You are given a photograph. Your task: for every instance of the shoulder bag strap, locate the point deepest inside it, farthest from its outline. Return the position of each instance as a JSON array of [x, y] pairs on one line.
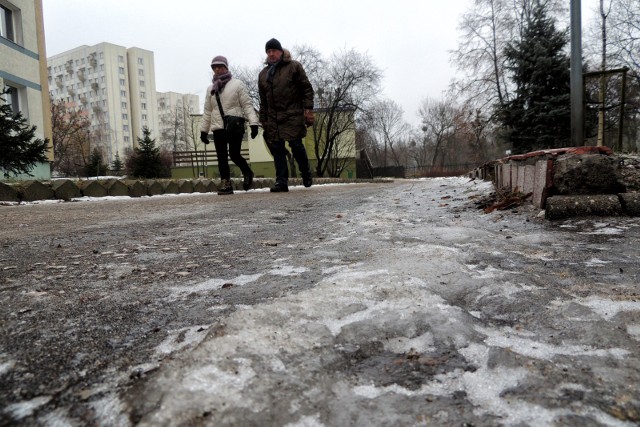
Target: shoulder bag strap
[[219, 105]]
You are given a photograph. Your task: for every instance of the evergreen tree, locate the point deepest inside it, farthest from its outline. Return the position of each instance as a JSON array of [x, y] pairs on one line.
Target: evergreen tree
[[96, 164], [146, 158], [117, 165], [19, 149], [539, 117]]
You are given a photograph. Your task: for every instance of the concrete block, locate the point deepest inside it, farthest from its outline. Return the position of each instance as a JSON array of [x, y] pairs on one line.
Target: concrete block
[[8, 193], [529, 178], [136, 188], [201, 185], [185, 186], [559, 207], [93, 188], [630, 203], [35, 190], [115, 187], [540, 184], [171, 187], [65, 189], [155, 187]]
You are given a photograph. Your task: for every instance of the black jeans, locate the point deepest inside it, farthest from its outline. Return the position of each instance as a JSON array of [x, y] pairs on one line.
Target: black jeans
[[279, 153], [226, 148]]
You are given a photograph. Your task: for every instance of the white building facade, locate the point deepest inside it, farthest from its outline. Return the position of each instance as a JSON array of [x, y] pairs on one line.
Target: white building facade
[[115, 85], [23, 69]]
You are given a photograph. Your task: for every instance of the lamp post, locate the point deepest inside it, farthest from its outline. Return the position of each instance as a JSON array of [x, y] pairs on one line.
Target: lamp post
[[577, 105]]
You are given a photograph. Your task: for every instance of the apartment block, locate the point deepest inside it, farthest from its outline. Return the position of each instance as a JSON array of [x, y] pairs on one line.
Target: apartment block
[[116, 87], [178, 129], [23, 69]]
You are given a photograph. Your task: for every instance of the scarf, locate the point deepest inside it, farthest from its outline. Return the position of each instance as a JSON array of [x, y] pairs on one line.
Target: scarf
[[272, 71], [219, 82]]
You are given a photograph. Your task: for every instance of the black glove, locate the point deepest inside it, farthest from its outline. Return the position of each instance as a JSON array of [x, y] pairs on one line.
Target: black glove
[[204, 137], [254, 131]]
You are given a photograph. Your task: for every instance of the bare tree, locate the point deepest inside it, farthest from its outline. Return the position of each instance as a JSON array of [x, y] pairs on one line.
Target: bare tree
[[439, 126], [249, 76], [71, 136], [486, 29], [390, 129], [344, 86], [175, 128], [623, 39]]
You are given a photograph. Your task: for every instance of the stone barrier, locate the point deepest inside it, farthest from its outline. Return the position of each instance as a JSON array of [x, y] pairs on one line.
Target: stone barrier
[[67, 189]]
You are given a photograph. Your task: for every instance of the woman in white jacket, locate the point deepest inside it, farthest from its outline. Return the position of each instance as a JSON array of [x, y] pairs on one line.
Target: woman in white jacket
[[235, 101]]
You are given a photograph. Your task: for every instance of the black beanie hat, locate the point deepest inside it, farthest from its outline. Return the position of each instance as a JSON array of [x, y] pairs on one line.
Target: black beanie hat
[[273, 44]]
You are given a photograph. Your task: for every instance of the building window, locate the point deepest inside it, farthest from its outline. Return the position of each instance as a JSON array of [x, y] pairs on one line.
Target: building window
[[122, 82], [123, 93], [140, 61], [144, 106], [143, 95], [124, 105], [6, 24], [121, 70], [126, 139], [125, 116], [144, 117], [12, 98], [125, 128], [141, 83], [141, 72], [120, 58]]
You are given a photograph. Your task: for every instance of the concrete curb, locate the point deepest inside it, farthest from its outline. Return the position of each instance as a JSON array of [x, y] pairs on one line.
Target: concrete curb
[[67, 189]]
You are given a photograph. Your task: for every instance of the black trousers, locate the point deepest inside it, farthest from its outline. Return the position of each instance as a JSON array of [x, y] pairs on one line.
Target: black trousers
[[279, 153], [229, 148]]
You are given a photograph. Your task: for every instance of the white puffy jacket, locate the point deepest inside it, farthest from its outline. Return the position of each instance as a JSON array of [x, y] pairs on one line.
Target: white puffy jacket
[[235, 102]]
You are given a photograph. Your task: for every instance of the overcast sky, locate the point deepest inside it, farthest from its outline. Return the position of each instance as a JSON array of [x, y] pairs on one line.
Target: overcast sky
[[408, 40]]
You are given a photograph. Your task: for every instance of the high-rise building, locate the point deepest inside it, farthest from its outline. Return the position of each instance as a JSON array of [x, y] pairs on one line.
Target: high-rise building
[[115, 85], [23, 71], [178, 129]]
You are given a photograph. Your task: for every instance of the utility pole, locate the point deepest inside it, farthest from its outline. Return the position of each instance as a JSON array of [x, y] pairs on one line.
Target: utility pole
[[577, 86]]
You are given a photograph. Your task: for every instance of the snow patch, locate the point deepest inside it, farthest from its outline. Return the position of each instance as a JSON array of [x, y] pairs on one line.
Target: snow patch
[[544, 351], [25, 408], [608, 309], [213, 284]]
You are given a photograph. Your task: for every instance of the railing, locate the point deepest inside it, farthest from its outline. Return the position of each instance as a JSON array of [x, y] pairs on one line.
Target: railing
[[200, 158]]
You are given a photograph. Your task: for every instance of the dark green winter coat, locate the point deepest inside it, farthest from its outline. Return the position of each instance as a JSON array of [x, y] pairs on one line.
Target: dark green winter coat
[[284, 99]]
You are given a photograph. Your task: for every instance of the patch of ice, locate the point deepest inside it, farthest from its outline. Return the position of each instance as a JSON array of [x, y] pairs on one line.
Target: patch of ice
[[422, 343], [6, 366], [110, 411], [214, 284], [608, 309], [544, 351], [604, 231], [307, 421], [634, 331], [233, 381], [489, 272], [595, 262], [181, 338], [287, 270], [25, 408]]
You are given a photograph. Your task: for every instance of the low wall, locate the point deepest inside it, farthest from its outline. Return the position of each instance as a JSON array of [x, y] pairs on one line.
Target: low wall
[[535, 173], [68, 189]]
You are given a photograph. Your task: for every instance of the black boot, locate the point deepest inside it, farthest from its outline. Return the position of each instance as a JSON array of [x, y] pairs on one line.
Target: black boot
[[248, 181], [280, 188], [225, 187]]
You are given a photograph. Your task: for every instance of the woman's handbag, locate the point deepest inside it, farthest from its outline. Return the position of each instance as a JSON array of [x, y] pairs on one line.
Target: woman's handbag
[[234, 125]]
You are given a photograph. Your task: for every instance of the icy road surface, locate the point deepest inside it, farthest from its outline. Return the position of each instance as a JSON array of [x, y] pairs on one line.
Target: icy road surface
[[341, 305]]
